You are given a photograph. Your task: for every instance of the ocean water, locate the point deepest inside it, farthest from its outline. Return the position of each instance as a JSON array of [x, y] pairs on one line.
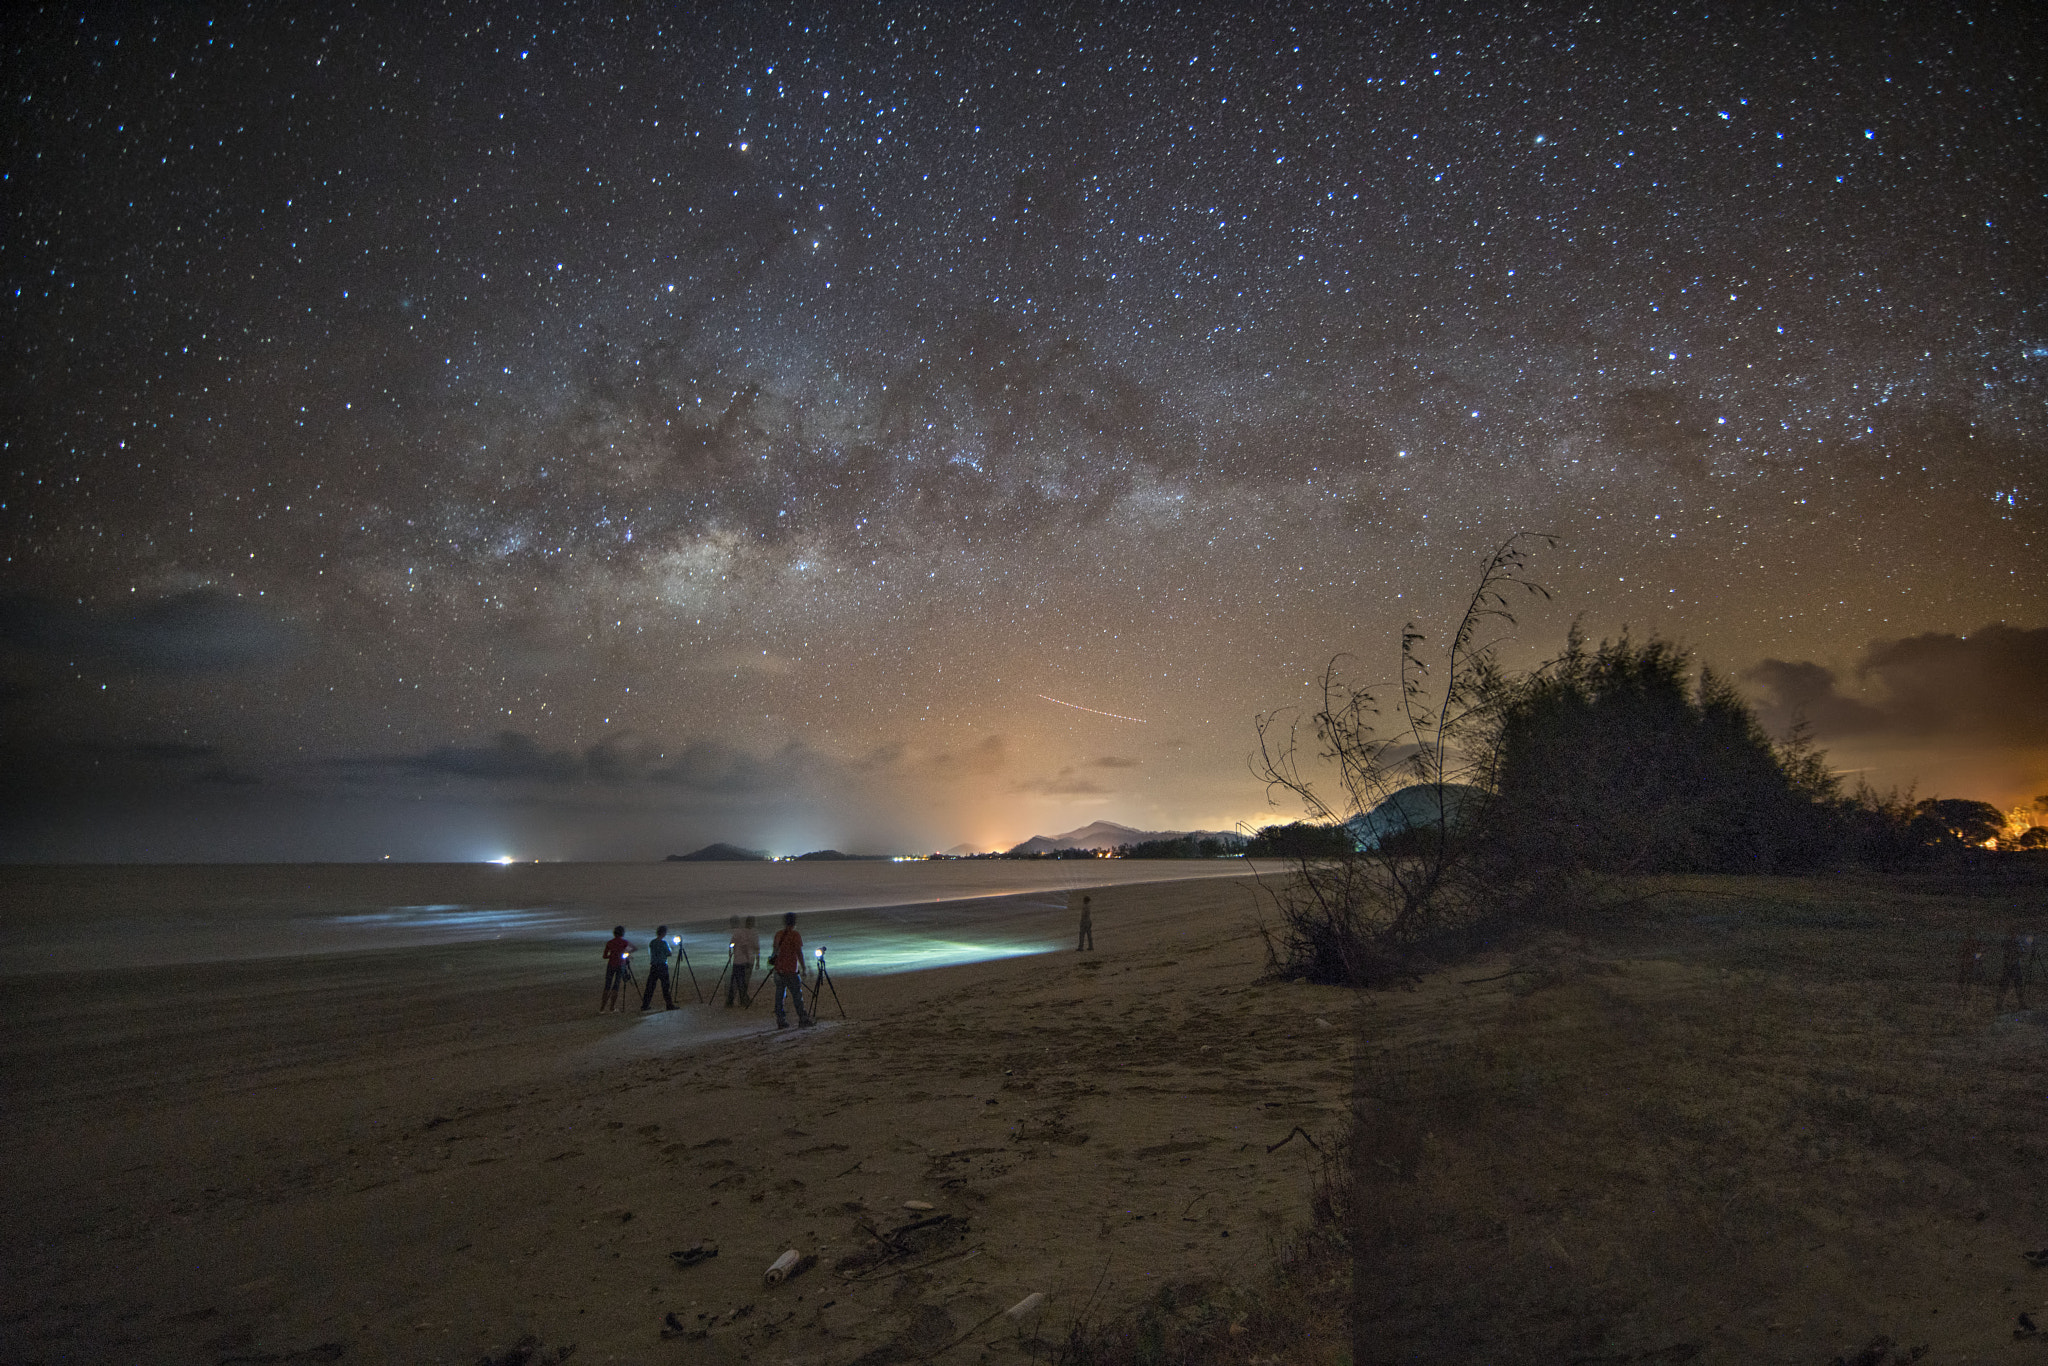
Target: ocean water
[[871, 917]]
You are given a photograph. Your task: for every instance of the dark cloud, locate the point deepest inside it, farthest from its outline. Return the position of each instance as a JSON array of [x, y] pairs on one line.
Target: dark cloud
[[1065, 783], [194, 632], [708, 766], [41, 772], [511, 757], [1804, 691], [983, 757], [171, 750], [1985, 686], [1113, 761]]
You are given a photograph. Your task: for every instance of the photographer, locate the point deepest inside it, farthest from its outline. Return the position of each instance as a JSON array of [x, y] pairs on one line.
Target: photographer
[[746, 948], [787, 960], [616, 953], [657, 970]]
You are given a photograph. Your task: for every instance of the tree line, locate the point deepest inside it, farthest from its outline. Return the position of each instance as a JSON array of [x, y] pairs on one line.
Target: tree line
[[1465, 794]]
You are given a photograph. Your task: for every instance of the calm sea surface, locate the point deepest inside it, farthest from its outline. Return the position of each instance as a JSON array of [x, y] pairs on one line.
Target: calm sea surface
[[875, 917]]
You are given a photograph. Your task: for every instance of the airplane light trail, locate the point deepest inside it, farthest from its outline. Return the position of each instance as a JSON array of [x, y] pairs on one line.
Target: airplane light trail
[[1114, 716]]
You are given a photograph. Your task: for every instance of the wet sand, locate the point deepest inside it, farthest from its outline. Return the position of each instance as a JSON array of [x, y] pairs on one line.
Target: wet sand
[[430, 1154]]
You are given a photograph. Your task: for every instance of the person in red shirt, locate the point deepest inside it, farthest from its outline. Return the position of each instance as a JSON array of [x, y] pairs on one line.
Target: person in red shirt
[[787, 961], [615, 955]]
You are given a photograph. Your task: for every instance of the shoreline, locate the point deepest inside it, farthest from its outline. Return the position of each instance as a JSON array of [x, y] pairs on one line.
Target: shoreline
[[338, 1150], [94, 917]]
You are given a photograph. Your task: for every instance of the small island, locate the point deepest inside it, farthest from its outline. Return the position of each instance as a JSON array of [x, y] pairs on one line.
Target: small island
[[720, 852]]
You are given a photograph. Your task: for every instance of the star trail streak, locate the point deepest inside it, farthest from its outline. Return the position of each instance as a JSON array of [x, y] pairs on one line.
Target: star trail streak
[[1114, 716]]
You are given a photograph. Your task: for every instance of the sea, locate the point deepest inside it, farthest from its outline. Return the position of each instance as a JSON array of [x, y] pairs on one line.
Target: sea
[[871, 916]]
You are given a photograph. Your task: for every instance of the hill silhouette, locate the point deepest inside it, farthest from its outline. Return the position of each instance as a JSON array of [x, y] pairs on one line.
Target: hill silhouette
[[720, 852]]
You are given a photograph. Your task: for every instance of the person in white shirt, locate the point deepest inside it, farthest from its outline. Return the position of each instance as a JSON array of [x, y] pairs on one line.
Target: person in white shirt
[[746, 951]]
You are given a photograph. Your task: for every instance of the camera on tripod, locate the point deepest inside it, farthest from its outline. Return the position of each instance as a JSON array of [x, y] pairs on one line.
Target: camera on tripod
[[821, 979]]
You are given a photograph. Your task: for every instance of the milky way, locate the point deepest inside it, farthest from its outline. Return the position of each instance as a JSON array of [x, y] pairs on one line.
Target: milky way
[[591, 432]]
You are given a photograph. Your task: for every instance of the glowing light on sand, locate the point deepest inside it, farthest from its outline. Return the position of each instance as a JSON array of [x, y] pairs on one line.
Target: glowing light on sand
[[909, 953]]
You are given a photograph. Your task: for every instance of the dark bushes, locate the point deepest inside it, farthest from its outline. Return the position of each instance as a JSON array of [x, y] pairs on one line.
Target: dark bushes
[[1492, 797], [1614, 760], [1362, 907], [1299, 839]]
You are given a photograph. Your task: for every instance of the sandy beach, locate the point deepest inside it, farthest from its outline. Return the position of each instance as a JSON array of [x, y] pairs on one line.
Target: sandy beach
[[432, 1154]]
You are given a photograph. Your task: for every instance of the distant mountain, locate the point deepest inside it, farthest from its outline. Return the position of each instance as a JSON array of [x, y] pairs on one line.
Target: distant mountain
[[1417, 807], [1100, 835], [720, 853], [834, 856], [967, 851], [1105, 835]]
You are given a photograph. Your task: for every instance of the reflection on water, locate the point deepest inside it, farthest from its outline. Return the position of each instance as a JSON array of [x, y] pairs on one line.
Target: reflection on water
[[448, 922], [861, 943]]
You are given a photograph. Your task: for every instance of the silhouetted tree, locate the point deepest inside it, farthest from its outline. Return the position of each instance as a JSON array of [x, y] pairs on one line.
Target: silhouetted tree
[[1614, 760], [1357, 915], [1299, 839], [1502, 794], [1892, 831], [1957, 823]]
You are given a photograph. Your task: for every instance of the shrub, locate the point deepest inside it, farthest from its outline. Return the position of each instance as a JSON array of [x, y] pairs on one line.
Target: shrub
[[1498, 797], [1354, 914], [1615, 760], [1299, 839]]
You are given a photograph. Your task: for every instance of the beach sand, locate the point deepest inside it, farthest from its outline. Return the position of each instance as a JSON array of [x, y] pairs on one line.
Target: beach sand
[[430, 1155]]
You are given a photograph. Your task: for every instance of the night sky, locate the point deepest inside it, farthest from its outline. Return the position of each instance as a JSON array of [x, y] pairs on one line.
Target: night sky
[[593, 431]]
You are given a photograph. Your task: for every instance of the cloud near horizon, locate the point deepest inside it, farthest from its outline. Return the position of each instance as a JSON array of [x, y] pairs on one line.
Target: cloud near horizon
[[1983, 687], [1065, 783], [198, 631], [707, 766]]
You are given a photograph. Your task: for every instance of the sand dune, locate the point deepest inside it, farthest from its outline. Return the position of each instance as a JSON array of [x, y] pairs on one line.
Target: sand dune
[[427, 1156]]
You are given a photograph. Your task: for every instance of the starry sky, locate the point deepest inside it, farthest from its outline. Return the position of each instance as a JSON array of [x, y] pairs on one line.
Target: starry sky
[[591, 431]]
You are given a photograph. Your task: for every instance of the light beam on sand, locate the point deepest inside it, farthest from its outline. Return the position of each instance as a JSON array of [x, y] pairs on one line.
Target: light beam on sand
[[865, 956], [1114, 716]]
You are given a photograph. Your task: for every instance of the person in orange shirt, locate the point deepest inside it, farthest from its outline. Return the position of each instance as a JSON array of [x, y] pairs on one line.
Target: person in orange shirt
[[787, 962], [616, 952]]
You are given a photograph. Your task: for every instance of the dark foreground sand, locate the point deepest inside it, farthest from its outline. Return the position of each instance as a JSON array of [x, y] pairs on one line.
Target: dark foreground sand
[[429, 1155]]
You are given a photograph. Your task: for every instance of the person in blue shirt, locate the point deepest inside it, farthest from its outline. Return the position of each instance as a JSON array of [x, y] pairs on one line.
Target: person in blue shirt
[[657, 970]]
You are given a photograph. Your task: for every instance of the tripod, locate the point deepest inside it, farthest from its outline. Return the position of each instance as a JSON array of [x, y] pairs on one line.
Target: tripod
[[617, 976], [677, 940], [819, 982], [743, 987]]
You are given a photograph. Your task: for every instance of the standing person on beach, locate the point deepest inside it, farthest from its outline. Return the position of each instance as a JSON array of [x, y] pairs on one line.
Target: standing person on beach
[[616, 952], [1087, 928], [787, 959], [2012, 969], [746, 950], [657, 970]]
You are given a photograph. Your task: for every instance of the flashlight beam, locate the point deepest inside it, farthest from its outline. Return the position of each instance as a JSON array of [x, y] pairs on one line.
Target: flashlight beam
[[1114, 716]]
